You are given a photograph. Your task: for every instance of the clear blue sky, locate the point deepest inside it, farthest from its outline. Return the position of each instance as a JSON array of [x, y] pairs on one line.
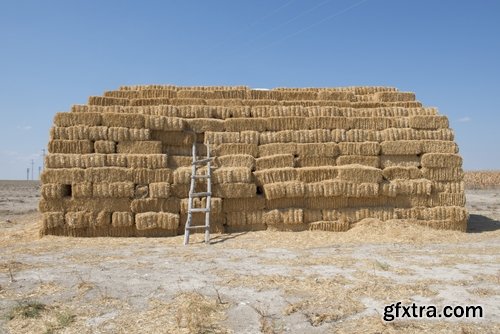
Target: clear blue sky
[[57, 53]]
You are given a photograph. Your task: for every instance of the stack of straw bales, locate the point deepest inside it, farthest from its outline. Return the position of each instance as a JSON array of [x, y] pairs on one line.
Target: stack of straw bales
[[286, 159]]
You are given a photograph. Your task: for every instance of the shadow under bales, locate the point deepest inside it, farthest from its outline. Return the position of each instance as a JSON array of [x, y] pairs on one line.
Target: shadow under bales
[[225, 237], [480, 223]]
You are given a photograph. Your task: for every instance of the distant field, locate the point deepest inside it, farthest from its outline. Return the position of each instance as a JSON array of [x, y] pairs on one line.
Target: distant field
[[482, 179]]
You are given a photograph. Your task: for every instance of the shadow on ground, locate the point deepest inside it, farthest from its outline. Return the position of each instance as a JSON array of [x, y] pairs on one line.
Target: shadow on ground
[[480, 223]]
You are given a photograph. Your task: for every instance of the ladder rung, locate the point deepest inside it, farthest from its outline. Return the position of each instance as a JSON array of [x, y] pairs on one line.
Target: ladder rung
[[200, 176], [195, 227], [200, 210], [202, 161], [202, 194]]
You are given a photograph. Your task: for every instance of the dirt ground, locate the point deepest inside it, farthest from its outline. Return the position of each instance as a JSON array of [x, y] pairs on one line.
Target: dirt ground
[[257, 282]]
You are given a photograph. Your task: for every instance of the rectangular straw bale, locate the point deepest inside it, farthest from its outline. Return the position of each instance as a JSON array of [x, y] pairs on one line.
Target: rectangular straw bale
[[113, 189], [79, 219], [244, 124], [277, 148], [370, 123], [401, 147], [365, 160], [338, 135], [449, 187], [149, 101], [285, 202], [330, 123], [288, 189], [235, 160], [60, 160], [200, 125], [439, 146], [249, 204], [84, 204], [62, 175], [70, 119], [153, 220], [443, 174], [105, 146], [194, 111], [195, 94], [79, 132], [155, 204], [285, 123], [146, 175], [382, 213], [314, 161], [360, 135], [318, 149], [107, 101], [52, 220], [186, 102], [447, 199], [82, 190], [139, 147], [71, 146], [122, 219], [394, 134], [152, 161], [232, 175], [125, 134], [176, 161], [164, 123], [395, 96], [274, 161], [123, 120], [441, 160], [55, 190], [159, 190], [156, 93], [334, 188], [215, 205], [254, 103], [325, 202], [428, 122], [399, 172], [330, 226], [182, 175], [316, 174], [413, 187], [245, 218], [234, 190], [336, 96], [399, 160], [283, 216], [312, 136], [230, 149], [116, 160], [232, 112], [217, 138], [359, 173], [366, 148], [93, 160], [107, 174], [273, 175], [186, 150]]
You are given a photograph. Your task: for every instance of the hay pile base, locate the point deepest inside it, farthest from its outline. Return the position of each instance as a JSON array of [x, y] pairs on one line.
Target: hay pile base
[[287, 159]]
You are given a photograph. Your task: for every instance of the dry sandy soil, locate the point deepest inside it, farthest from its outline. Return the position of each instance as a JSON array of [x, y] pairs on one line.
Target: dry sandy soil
[[269, 282]]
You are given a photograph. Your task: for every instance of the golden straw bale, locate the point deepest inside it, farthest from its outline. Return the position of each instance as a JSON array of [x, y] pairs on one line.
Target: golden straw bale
[[185, 102], [288, 189], [443, 174], [332, 226], [176, 138], [318, 149], [200, 125], [449, 187], [232, 175], [360, 135], [195, 94], [359, 173], [93, 160], [163, 123], [244, 137], [336, 96], [274, 161], [399, 172], [234, 190], [182, 175], [235, 160], [55, 190], [52, 220], [395, 96], [273, 175], [116, 160], [365, 160], [283, 216], [413, 187], [113, 189], [366, 148], [246, 220], [277, 148], [149, 101], [231, 112], [399, 160], [447, 199], [103, 219], [61, 160], [428, 122], [107, 101], [215, 205], [152, 220], [249, 204], [146, 175], [122, 94], [107, 174], [176, 161], [285, 202], [395, 134], [63, 175], [155, 204], [402, 147], [67, 204], [314, 161], [285, 123], [70, 119], [312, 136], [71, 146], [79, 219], [159, 190], [338, 135], [126, 134], [329, 122], [155, 93], [316, 174], [82, 190], [370, 123], [192, 111], [441, 160], [122, 219], [230, 149], [139, 147], [123, 120], [439, 146], [104, 146], [151, 161], [243, 124]]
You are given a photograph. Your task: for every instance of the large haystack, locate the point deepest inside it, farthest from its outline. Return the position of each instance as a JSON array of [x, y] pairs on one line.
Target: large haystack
[[287, 159]]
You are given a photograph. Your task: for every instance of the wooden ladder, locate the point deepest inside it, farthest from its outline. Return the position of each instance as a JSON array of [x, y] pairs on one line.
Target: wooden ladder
[[192, 194]]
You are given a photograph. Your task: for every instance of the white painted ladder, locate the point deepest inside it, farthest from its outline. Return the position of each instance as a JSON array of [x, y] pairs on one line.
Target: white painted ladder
[[192, 194]]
